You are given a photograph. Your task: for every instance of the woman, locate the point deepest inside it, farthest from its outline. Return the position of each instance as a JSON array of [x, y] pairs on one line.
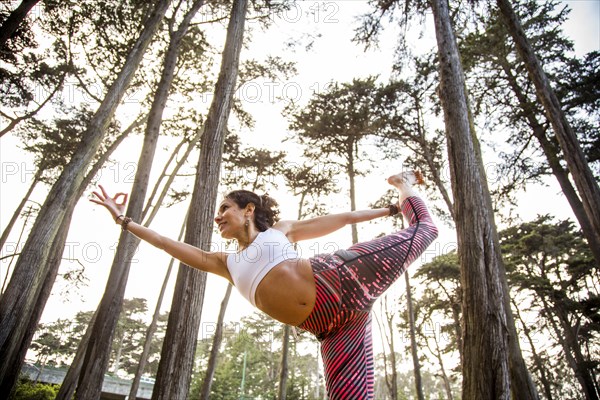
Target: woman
[[329, 295]]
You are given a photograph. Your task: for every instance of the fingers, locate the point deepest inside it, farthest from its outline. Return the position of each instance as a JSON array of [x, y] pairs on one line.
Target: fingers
[[103, 191], [102, 198], [124, 195]]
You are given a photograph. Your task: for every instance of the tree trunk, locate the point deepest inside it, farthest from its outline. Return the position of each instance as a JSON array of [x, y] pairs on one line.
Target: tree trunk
[[551, 152], [566, 340], [486, 373], [57, 249], [174, 371], [413, 340], [14, 20], [586, 184], [582, 369], [216, 345], [21, 297], [17, 212], [394, 378], [283, 376], [522, 386], [149, 211], [69, 383], [98, 351], [135, 384], [54, 260], [537, 360], [351, 176], [117, 363]]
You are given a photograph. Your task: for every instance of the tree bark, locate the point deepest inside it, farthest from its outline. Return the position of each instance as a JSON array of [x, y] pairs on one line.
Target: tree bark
[[551, 152], [68, 385], [413, 340], [486, 373], [537, 360], [135, 384], [17, 212], [14, 20], [567, 341], [216, 345], [586, 184], [285, 370], [393, 362], [351, 178], [17, 306], [57, 248], [522, 386], [174, 371], [98, 350]]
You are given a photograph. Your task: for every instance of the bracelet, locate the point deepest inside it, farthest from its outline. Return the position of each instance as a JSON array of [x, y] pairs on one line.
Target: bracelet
[[393, 209], [126, 221], [119, 216]]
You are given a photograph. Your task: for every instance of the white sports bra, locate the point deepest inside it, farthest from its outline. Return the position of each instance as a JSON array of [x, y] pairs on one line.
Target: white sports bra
[[249, 267]]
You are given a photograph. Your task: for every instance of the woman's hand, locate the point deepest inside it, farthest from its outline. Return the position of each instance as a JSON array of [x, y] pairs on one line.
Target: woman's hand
[[112, 204]]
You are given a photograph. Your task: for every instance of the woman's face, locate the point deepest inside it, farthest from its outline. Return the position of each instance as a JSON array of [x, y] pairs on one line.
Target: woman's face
[[230, 219]]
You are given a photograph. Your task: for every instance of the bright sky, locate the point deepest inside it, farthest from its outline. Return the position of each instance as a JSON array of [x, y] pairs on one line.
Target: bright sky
[[93, 235]]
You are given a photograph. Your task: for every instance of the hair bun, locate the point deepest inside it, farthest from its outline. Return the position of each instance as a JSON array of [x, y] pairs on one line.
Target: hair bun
[[266, 211]]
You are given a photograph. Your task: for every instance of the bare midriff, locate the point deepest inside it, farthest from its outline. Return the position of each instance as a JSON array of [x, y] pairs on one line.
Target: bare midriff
[[287, 292]]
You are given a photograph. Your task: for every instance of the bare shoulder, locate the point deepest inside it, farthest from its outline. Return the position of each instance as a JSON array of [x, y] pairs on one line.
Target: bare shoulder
[[286, 227]]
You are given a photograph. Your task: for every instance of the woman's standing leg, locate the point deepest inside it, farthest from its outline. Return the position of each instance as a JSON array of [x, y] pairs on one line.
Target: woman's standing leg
[[348, 359], [344, 334]]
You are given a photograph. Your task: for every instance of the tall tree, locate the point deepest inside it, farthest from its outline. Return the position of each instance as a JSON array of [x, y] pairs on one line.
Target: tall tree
[[521, 382], [387, 329], [252, 168], [500, 85], [174, 372], [53, 257], [309, 184], [443, 292], [336, 122], [97, 353], [486, 372], [550, 261], [586, 183], [19, 302], [413, 339]]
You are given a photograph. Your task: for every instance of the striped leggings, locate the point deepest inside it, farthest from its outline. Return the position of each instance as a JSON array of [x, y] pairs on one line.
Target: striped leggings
[[348, 282]]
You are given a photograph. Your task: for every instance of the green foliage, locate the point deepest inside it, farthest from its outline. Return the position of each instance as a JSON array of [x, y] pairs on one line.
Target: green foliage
[[505, 100], [335, 121], [55, 343], [256, 343], [551, 268], [28, 390]]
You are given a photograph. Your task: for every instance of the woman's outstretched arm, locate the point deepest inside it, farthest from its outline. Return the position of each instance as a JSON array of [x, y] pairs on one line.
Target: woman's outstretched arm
[[326, 224], [214, 262]]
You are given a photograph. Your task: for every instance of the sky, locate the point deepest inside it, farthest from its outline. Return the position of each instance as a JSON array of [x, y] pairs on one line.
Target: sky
[[333, 57]]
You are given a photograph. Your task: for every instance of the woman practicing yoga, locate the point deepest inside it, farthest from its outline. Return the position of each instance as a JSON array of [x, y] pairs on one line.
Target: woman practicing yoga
[[329, 295]]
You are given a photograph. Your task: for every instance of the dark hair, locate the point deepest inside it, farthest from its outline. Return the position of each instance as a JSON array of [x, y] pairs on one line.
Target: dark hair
[[266, 212]]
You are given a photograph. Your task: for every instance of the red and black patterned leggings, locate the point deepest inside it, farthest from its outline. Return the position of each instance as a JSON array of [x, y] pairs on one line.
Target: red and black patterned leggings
[[348, 283]]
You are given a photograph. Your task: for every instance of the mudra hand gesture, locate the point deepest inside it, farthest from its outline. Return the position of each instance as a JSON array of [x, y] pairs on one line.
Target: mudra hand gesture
[[112, 204]]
